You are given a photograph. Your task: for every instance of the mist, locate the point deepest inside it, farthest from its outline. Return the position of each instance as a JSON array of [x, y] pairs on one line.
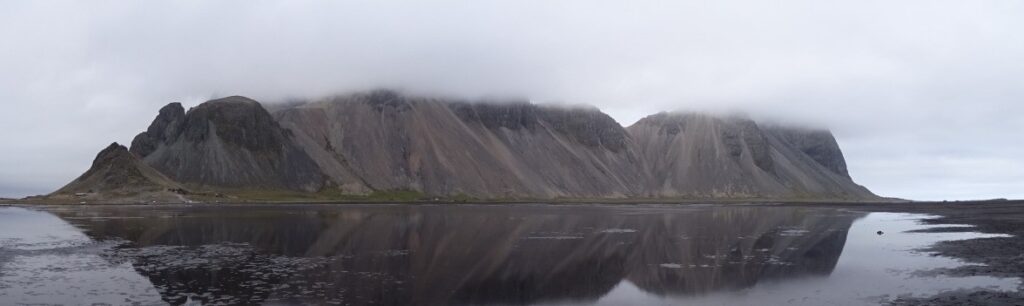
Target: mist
[[923, 96]]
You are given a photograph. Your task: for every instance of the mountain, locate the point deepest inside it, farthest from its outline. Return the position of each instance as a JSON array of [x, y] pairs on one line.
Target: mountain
[[697, 155], [118, 174], [230, 142], [383, 141]]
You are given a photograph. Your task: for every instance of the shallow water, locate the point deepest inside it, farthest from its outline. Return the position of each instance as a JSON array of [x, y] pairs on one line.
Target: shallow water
[[469, 254]]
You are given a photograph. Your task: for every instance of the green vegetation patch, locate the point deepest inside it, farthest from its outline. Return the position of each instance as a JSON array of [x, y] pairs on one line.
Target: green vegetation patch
[[397, 195]]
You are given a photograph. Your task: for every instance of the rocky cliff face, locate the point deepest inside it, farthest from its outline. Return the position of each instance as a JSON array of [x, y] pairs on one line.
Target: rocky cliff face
[[229, 142], [382, 141], [819, 145], [385, 141], [695, 155]]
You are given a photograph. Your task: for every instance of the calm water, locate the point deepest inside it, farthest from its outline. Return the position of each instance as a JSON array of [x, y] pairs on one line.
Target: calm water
[[476, 255]]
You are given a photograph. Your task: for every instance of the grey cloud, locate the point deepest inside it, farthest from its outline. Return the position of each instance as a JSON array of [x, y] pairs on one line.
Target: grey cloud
[[923, 95]]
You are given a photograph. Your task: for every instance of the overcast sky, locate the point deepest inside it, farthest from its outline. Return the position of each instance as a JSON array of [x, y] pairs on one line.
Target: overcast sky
[[926, 97]]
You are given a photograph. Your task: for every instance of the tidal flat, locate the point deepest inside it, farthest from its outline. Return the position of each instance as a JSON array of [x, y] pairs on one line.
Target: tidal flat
[[522, 254]]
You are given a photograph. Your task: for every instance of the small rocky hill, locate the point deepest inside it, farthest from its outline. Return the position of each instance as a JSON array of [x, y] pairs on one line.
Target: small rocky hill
[[117, 174]]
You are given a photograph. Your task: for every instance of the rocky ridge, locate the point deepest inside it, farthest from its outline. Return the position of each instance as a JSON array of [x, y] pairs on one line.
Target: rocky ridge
[[383, 141], [230, 142]]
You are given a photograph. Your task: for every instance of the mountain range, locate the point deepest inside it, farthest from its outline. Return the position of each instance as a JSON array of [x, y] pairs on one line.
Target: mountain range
[[385, 142]]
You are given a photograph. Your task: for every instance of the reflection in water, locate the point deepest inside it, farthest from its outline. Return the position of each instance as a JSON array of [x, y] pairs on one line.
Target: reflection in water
[[418, 254], [464, 254]]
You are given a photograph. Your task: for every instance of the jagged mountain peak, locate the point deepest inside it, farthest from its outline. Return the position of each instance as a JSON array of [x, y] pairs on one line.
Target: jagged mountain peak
[[164, 126], [228, 142]]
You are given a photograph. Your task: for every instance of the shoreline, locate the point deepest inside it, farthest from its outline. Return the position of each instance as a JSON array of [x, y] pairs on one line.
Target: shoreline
[[993, 256], [895, 205], [622, 201]]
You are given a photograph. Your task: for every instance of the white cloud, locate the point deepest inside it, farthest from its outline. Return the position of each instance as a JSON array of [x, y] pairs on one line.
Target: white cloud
[[908, 86]]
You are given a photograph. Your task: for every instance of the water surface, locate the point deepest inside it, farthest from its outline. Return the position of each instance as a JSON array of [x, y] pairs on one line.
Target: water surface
[[468, 254]]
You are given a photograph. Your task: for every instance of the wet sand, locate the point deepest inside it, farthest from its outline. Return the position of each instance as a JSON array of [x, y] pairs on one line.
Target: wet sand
[[998, 257]]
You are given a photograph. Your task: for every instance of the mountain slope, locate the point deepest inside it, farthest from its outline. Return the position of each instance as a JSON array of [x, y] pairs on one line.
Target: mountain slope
[[117, 173], [386, 141], [229, 142], [696, 155], [383, 141]]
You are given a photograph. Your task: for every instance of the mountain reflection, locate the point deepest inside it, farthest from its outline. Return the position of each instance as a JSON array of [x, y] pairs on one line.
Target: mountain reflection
[[462, 254]]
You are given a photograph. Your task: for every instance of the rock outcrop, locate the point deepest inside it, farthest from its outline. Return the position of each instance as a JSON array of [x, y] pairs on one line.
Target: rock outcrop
[[163, 128], [230, 142], [386, 141], [819, 145], [119, 174]]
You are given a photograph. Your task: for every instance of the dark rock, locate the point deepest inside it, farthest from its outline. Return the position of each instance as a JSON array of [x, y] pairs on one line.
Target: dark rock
[[819, 145], [384, 100], [758, 145], [235, 120], [588, 126], [165, 126], [228, 142], [512, 116]]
